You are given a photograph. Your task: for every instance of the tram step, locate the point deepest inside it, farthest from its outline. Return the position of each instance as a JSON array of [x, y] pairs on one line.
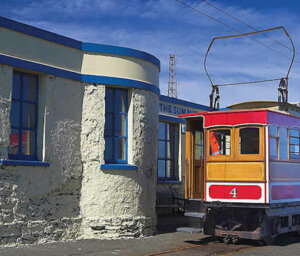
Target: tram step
[[189, 230], [199, 215]]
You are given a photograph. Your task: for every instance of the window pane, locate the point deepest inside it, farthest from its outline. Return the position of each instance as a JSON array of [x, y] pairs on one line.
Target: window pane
[[273, 131], [198, 145], [198, 137], [14, 142], [15, 114], [16, 90], [283, 145], [120, 100], [294, 152], [294, 133], [294, 141], [28, 115], [273, 148], [108, 153], [249, 141], [120, 124], [197, 152], [161, 131], [28, 142], [29, 88], [161, 149], [108, 125], [109, 103], [220, 142], [119, 148], [161, 168]]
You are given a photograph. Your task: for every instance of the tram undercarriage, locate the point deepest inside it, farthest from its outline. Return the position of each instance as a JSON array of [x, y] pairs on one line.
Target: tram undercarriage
[[234, 222]]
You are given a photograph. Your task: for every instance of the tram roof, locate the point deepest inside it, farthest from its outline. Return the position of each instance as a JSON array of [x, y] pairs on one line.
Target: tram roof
[[245, 117]]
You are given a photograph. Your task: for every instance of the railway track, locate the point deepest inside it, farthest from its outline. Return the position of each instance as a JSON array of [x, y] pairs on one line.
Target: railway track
[[207, 248], [212, 247]]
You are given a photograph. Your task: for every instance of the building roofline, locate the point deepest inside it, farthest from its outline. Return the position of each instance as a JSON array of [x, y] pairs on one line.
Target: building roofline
[[73, 43]]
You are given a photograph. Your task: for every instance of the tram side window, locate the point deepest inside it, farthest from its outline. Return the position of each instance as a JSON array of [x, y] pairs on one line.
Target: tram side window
[[219, 141], [273, 141], [249, 141], [283, 147], [294, 144]]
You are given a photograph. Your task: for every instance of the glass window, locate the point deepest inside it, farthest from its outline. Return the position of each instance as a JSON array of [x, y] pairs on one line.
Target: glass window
[[115, 132], [273, 141], [220, 142], [283, 143], [23, 117], [199, 153], [168, 146], [249, 141], [294, 144]]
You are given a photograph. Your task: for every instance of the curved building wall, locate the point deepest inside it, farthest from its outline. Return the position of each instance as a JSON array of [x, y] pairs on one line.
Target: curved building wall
[[65, 194], [119, 203]]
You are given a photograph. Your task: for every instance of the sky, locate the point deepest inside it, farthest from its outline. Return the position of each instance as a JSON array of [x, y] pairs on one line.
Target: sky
[[163, 27]]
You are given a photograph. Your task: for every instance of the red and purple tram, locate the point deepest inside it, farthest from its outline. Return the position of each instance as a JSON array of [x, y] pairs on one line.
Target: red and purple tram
[[243, 172]]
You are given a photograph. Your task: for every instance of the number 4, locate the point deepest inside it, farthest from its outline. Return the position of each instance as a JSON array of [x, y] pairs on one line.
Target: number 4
[[234, 193]]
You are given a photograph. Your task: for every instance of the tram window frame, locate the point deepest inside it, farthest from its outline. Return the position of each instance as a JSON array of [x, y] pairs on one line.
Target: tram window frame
[[292, 155], [273, 136], [219, 157], [253, 157]]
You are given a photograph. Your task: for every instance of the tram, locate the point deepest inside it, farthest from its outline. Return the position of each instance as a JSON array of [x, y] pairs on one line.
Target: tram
[[242, 166], [243, 170]]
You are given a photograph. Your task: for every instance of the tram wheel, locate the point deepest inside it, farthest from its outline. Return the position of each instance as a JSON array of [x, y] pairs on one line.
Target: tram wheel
[[235, 240], [226, 240]]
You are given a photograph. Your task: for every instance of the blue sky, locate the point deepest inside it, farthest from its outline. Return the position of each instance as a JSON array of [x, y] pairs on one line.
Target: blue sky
[[161, 27]]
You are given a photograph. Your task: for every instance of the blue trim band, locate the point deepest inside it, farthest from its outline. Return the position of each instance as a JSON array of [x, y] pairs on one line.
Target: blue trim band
[[24, 64], [171, 119], [118, 167], [183, 103], [117, 50], [24, 163], [169, 182], [66, 41], [120, 81]]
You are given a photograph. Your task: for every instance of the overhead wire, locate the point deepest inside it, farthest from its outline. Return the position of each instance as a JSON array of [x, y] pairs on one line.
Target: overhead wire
[[247, 25], [233, 28]]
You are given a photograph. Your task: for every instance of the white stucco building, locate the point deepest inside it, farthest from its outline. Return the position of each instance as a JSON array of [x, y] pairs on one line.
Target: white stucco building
[[82, 129]]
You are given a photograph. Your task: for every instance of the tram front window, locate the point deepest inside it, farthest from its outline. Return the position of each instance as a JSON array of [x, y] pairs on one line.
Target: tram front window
[[249, 141], [220, 141]]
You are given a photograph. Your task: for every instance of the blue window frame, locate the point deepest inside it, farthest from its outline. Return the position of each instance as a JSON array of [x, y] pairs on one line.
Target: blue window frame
[[116, 108], [23, 117], [168, 146]]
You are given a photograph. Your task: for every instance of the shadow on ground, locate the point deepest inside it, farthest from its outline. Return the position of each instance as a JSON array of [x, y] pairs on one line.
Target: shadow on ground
[[169, 224]]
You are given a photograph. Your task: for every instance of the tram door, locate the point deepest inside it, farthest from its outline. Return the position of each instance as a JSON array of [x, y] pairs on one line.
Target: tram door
[[195, 160]]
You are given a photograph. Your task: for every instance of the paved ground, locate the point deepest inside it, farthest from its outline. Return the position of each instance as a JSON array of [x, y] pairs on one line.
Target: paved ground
[[164, 244], [167, 243]]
